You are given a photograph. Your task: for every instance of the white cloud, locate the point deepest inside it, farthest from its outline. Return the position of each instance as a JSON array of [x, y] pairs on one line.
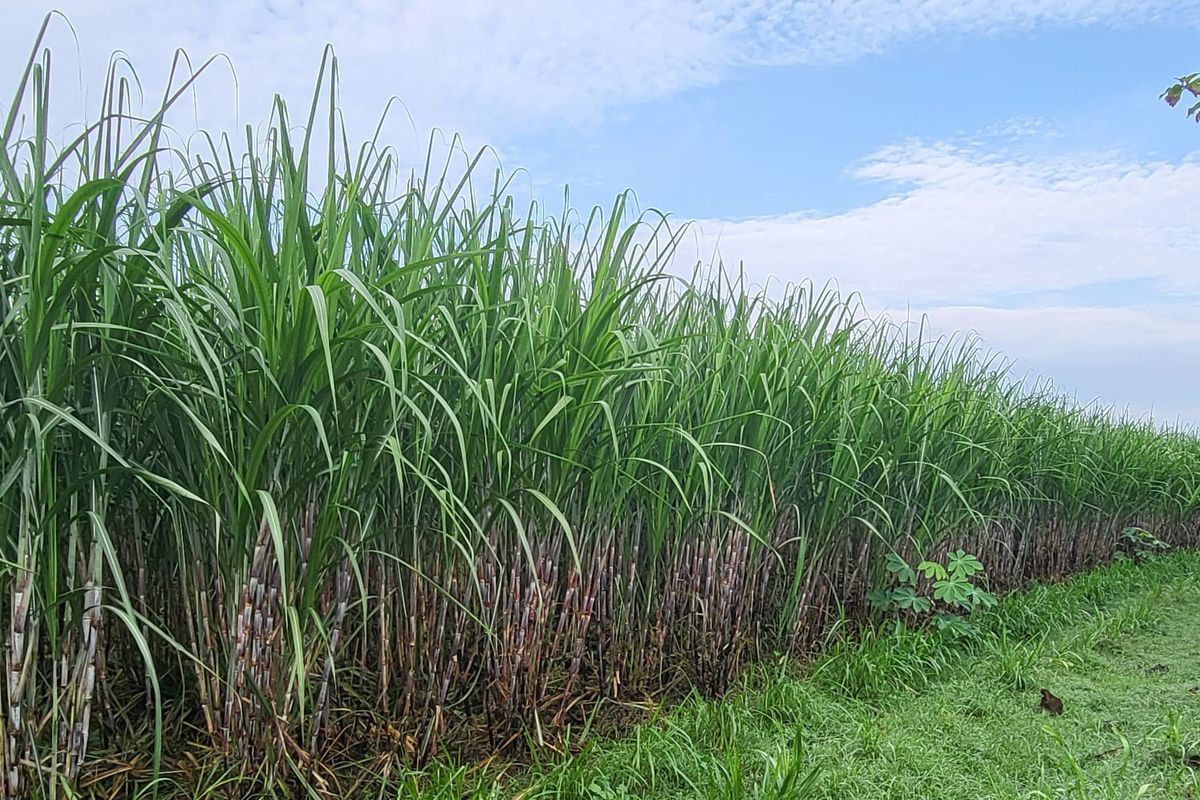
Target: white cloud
[[808, 31], [1094, 334], [965, 225], [1140, 359], [1080, 267], [494, 68]]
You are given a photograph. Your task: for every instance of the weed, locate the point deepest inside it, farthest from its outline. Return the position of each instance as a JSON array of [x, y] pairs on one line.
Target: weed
[[1013, 660]]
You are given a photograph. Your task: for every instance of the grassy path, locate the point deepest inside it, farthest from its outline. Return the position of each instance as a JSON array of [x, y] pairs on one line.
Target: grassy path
[[1128, 729], [907, 716]]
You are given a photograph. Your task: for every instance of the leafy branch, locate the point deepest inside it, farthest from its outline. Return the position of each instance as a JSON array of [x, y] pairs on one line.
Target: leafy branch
[[1190, 84]]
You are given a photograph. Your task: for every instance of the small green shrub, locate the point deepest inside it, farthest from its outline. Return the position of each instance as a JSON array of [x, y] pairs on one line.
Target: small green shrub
[[1179, 742], [1138, 544], [789, 776], [880, 662], [601, 789], [1014, 660], [950, 593]]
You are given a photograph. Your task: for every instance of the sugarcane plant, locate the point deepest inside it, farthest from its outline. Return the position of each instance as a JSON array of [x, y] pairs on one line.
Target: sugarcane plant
[[309, 455]]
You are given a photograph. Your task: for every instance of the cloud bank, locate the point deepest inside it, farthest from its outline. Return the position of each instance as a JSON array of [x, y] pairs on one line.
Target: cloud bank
[[1083, 267], [502, 68], [964, 225]]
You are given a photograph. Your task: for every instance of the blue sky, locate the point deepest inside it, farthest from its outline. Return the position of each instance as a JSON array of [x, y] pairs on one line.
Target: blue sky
[[770, 141], [1003, 166]]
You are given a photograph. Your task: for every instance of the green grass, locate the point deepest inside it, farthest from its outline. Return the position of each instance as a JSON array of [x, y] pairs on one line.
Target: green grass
[[1120, 646], [314, 466]]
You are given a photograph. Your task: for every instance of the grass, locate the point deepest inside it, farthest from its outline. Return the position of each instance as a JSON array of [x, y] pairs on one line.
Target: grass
[[1118, 645], [313, 467]]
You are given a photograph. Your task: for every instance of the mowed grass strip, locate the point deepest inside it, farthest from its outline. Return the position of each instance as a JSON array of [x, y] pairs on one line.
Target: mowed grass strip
[[1120, 646]]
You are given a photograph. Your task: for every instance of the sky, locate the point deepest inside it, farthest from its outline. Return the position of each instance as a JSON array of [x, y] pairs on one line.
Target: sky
[[998, 166]]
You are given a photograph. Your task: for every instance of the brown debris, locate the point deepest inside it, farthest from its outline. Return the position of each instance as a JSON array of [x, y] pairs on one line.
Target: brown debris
[[1051, 703]]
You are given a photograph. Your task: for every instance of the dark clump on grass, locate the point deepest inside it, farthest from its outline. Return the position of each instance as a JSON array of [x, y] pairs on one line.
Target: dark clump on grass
[[309, 464], [1050, 703]]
